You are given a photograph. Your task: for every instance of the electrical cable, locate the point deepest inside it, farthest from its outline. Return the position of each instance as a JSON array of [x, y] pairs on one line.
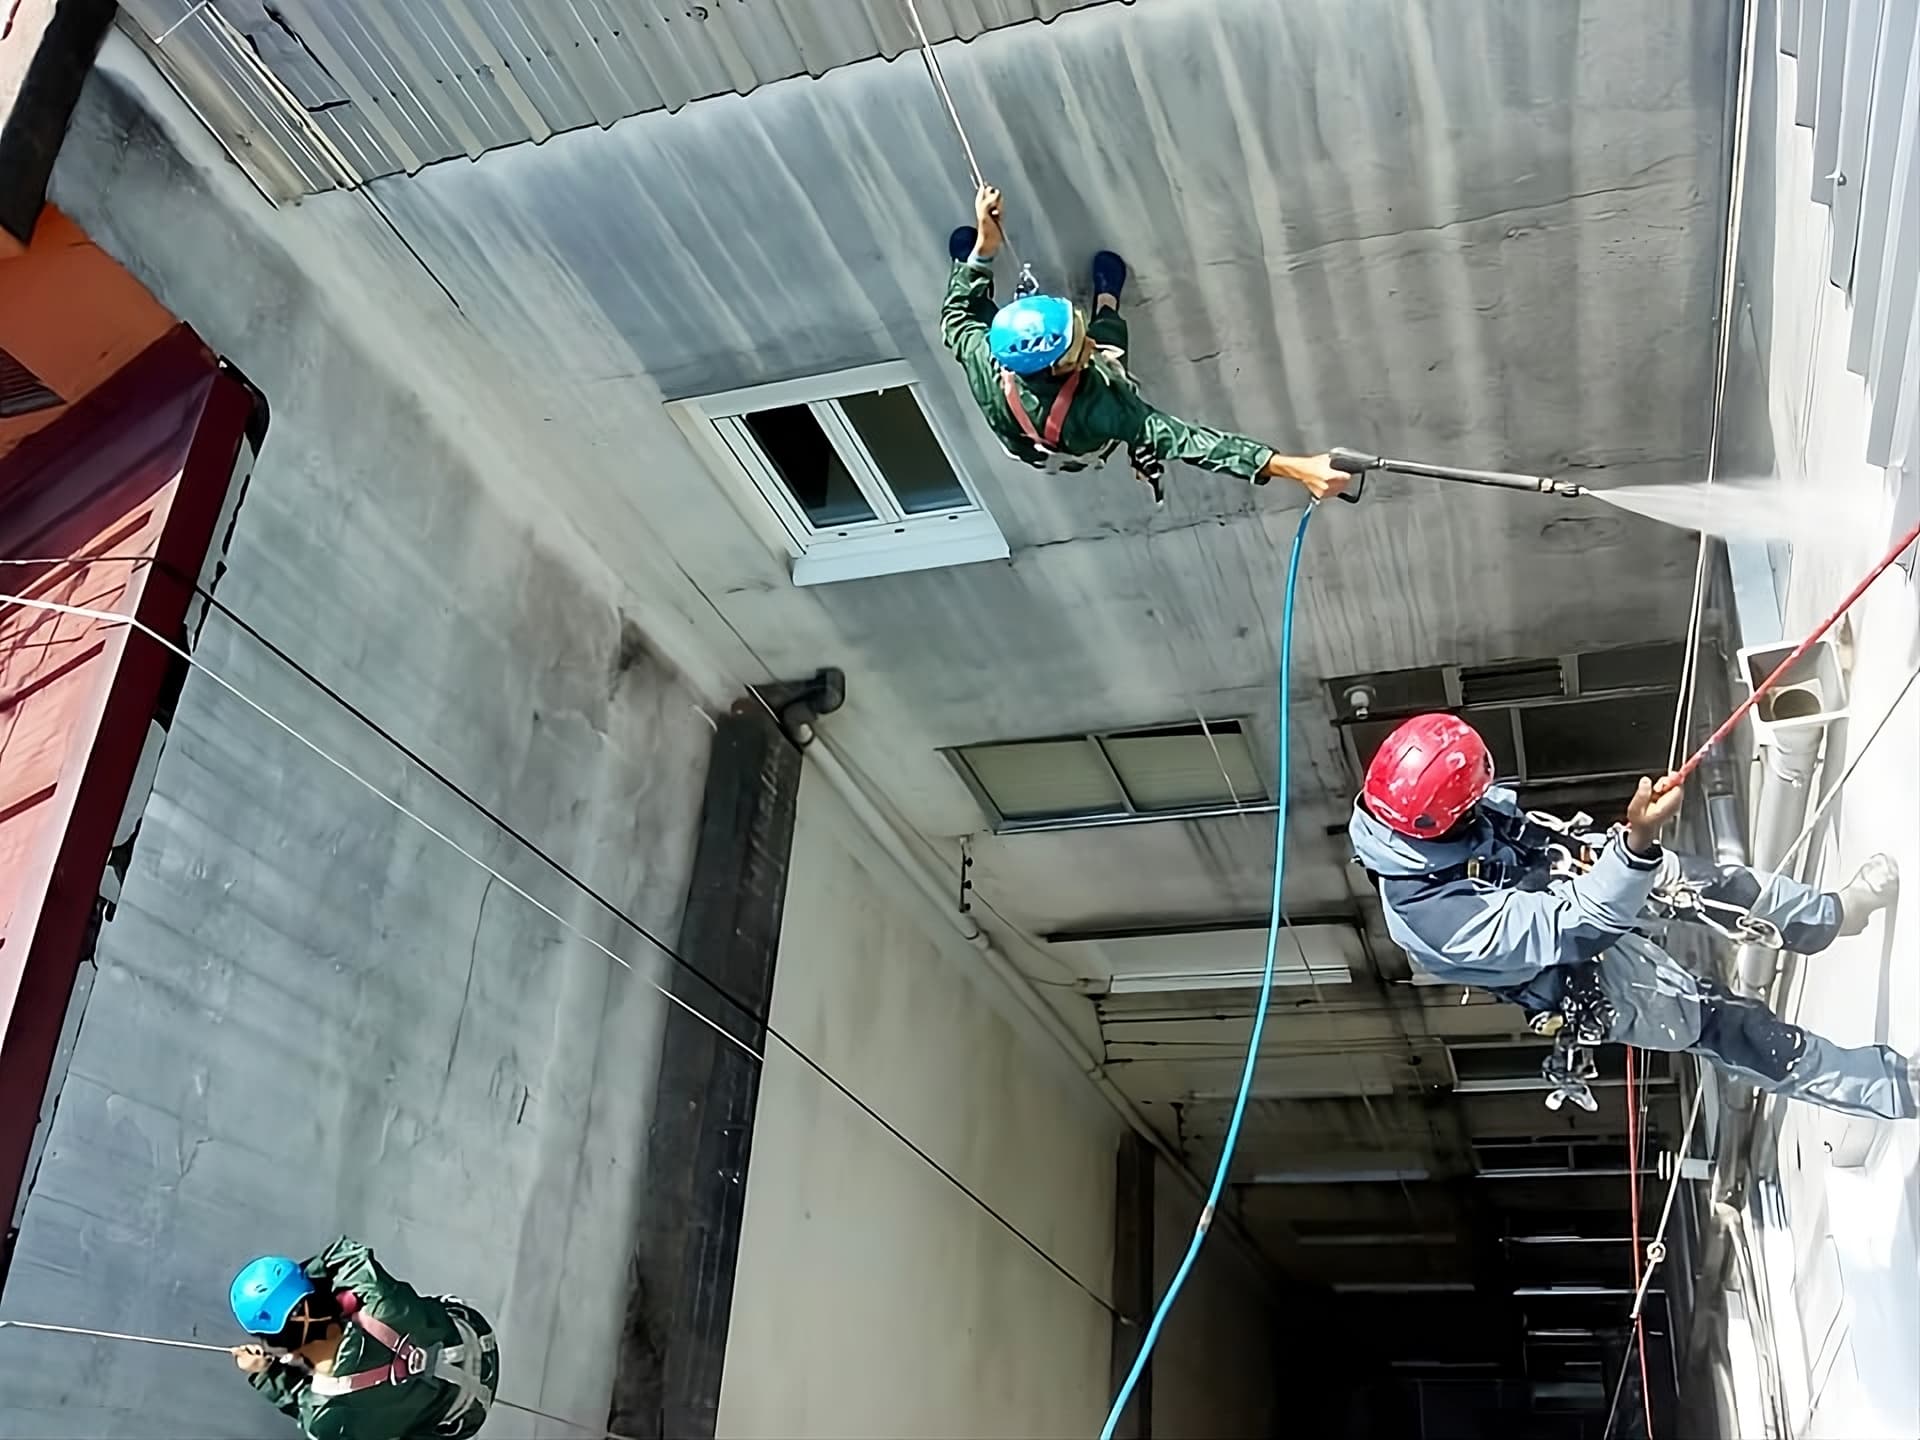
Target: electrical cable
[[1284, 766], [761, 1021]]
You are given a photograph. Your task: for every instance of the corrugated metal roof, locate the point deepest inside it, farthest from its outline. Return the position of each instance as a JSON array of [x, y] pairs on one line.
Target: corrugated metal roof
[[315, 94], [1859, 90]]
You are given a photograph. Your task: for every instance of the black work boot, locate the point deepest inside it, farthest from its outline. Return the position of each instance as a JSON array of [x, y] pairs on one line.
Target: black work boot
[[1872, 889]]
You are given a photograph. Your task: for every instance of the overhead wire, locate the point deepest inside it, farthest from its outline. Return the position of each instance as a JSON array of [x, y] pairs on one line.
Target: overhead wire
[[760, 1020]]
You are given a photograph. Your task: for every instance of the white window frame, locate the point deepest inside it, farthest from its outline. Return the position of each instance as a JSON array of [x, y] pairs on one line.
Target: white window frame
[[893, 541]]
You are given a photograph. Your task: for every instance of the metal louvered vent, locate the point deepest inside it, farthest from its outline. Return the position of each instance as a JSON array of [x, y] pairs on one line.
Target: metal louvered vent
[[21, 391], [1512, 680]]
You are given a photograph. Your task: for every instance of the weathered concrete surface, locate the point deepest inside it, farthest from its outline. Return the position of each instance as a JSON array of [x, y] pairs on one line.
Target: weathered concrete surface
[[1484, 233], [873, 1298], [310, 1016]]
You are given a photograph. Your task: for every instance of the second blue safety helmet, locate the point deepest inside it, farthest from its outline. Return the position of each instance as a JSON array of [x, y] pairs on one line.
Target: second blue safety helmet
[[1030, 333], [265, 1291]]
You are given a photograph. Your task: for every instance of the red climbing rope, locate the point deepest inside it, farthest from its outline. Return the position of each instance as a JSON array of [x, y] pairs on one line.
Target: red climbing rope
[[1633, 1207], [1759, 691]]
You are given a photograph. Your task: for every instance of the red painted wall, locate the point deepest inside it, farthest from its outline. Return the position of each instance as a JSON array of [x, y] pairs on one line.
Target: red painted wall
[[138, 466]]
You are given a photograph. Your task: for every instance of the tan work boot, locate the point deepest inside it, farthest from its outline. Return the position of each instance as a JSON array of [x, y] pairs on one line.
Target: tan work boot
[[1871, 890]]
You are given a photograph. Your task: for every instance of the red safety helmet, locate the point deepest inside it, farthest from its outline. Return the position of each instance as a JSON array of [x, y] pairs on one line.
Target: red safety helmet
[[1427, 774]]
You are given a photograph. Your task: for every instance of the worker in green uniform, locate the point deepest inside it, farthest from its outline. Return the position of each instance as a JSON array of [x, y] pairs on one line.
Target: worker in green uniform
[[354, 1354], [1053, 388]]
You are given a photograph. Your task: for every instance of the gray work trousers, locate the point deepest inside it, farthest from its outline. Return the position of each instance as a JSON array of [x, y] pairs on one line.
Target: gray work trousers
[[1658, 1004]]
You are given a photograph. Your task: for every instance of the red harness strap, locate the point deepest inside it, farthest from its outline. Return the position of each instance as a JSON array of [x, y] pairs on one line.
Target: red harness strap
[[410, 1361], [1056, 413]]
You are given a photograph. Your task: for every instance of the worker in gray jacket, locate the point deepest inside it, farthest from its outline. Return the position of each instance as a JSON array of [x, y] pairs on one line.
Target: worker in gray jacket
[[1477, 892]]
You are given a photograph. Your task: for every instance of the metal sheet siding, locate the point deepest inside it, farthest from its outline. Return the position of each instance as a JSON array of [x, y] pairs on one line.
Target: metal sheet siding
[[399, 84], [1858, 86]]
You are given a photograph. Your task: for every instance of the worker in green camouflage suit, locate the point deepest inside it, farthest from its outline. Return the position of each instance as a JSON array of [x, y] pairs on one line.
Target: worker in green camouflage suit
[[354, 1354], [1052, 386]]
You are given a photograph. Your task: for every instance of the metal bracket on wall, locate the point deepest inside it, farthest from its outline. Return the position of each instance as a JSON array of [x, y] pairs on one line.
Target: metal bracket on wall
[[799, 703], [966, 874]]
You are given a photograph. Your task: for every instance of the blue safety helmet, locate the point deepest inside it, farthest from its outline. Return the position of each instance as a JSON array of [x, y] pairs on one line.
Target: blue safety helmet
[[1031, 333], [265, 1291]]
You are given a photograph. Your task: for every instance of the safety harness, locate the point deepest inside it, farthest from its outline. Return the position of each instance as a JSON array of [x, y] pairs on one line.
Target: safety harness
[[1148, 468], [1579, 1016], [460, 1366]]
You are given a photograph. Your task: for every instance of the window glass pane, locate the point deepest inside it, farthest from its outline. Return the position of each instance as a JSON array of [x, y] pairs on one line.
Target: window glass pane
[[1044, 779], [896, 434], [808, 465], [1627, 735], [1177, 766]]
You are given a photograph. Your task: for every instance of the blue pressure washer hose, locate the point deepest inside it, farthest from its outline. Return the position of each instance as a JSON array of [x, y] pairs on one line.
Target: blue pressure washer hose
[[1260, 1011]]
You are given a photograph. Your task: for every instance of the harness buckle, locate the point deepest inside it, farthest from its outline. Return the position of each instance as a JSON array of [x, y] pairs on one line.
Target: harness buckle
[[1474, 868], [410, 1362]]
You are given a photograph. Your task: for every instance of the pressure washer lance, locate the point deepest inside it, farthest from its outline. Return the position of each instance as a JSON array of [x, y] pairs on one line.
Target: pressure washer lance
[[1357, 464]]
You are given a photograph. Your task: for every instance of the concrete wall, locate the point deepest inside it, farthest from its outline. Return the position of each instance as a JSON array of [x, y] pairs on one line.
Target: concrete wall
[[1217, 1367], [1487, 238], [873, 1298], [309, 1016], [1846, 1316]]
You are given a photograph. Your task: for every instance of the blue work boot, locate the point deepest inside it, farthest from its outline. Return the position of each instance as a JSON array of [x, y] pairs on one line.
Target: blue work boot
[[1109, 274], [960, 244]]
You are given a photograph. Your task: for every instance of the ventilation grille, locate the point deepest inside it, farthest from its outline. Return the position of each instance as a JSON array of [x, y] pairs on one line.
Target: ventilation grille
[[21, 392], [1510, 680], [1631, 667]]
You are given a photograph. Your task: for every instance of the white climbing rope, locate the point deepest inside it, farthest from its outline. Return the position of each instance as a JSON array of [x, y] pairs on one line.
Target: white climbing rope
[[110, 617], [1722, 362], [596, 1430]]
